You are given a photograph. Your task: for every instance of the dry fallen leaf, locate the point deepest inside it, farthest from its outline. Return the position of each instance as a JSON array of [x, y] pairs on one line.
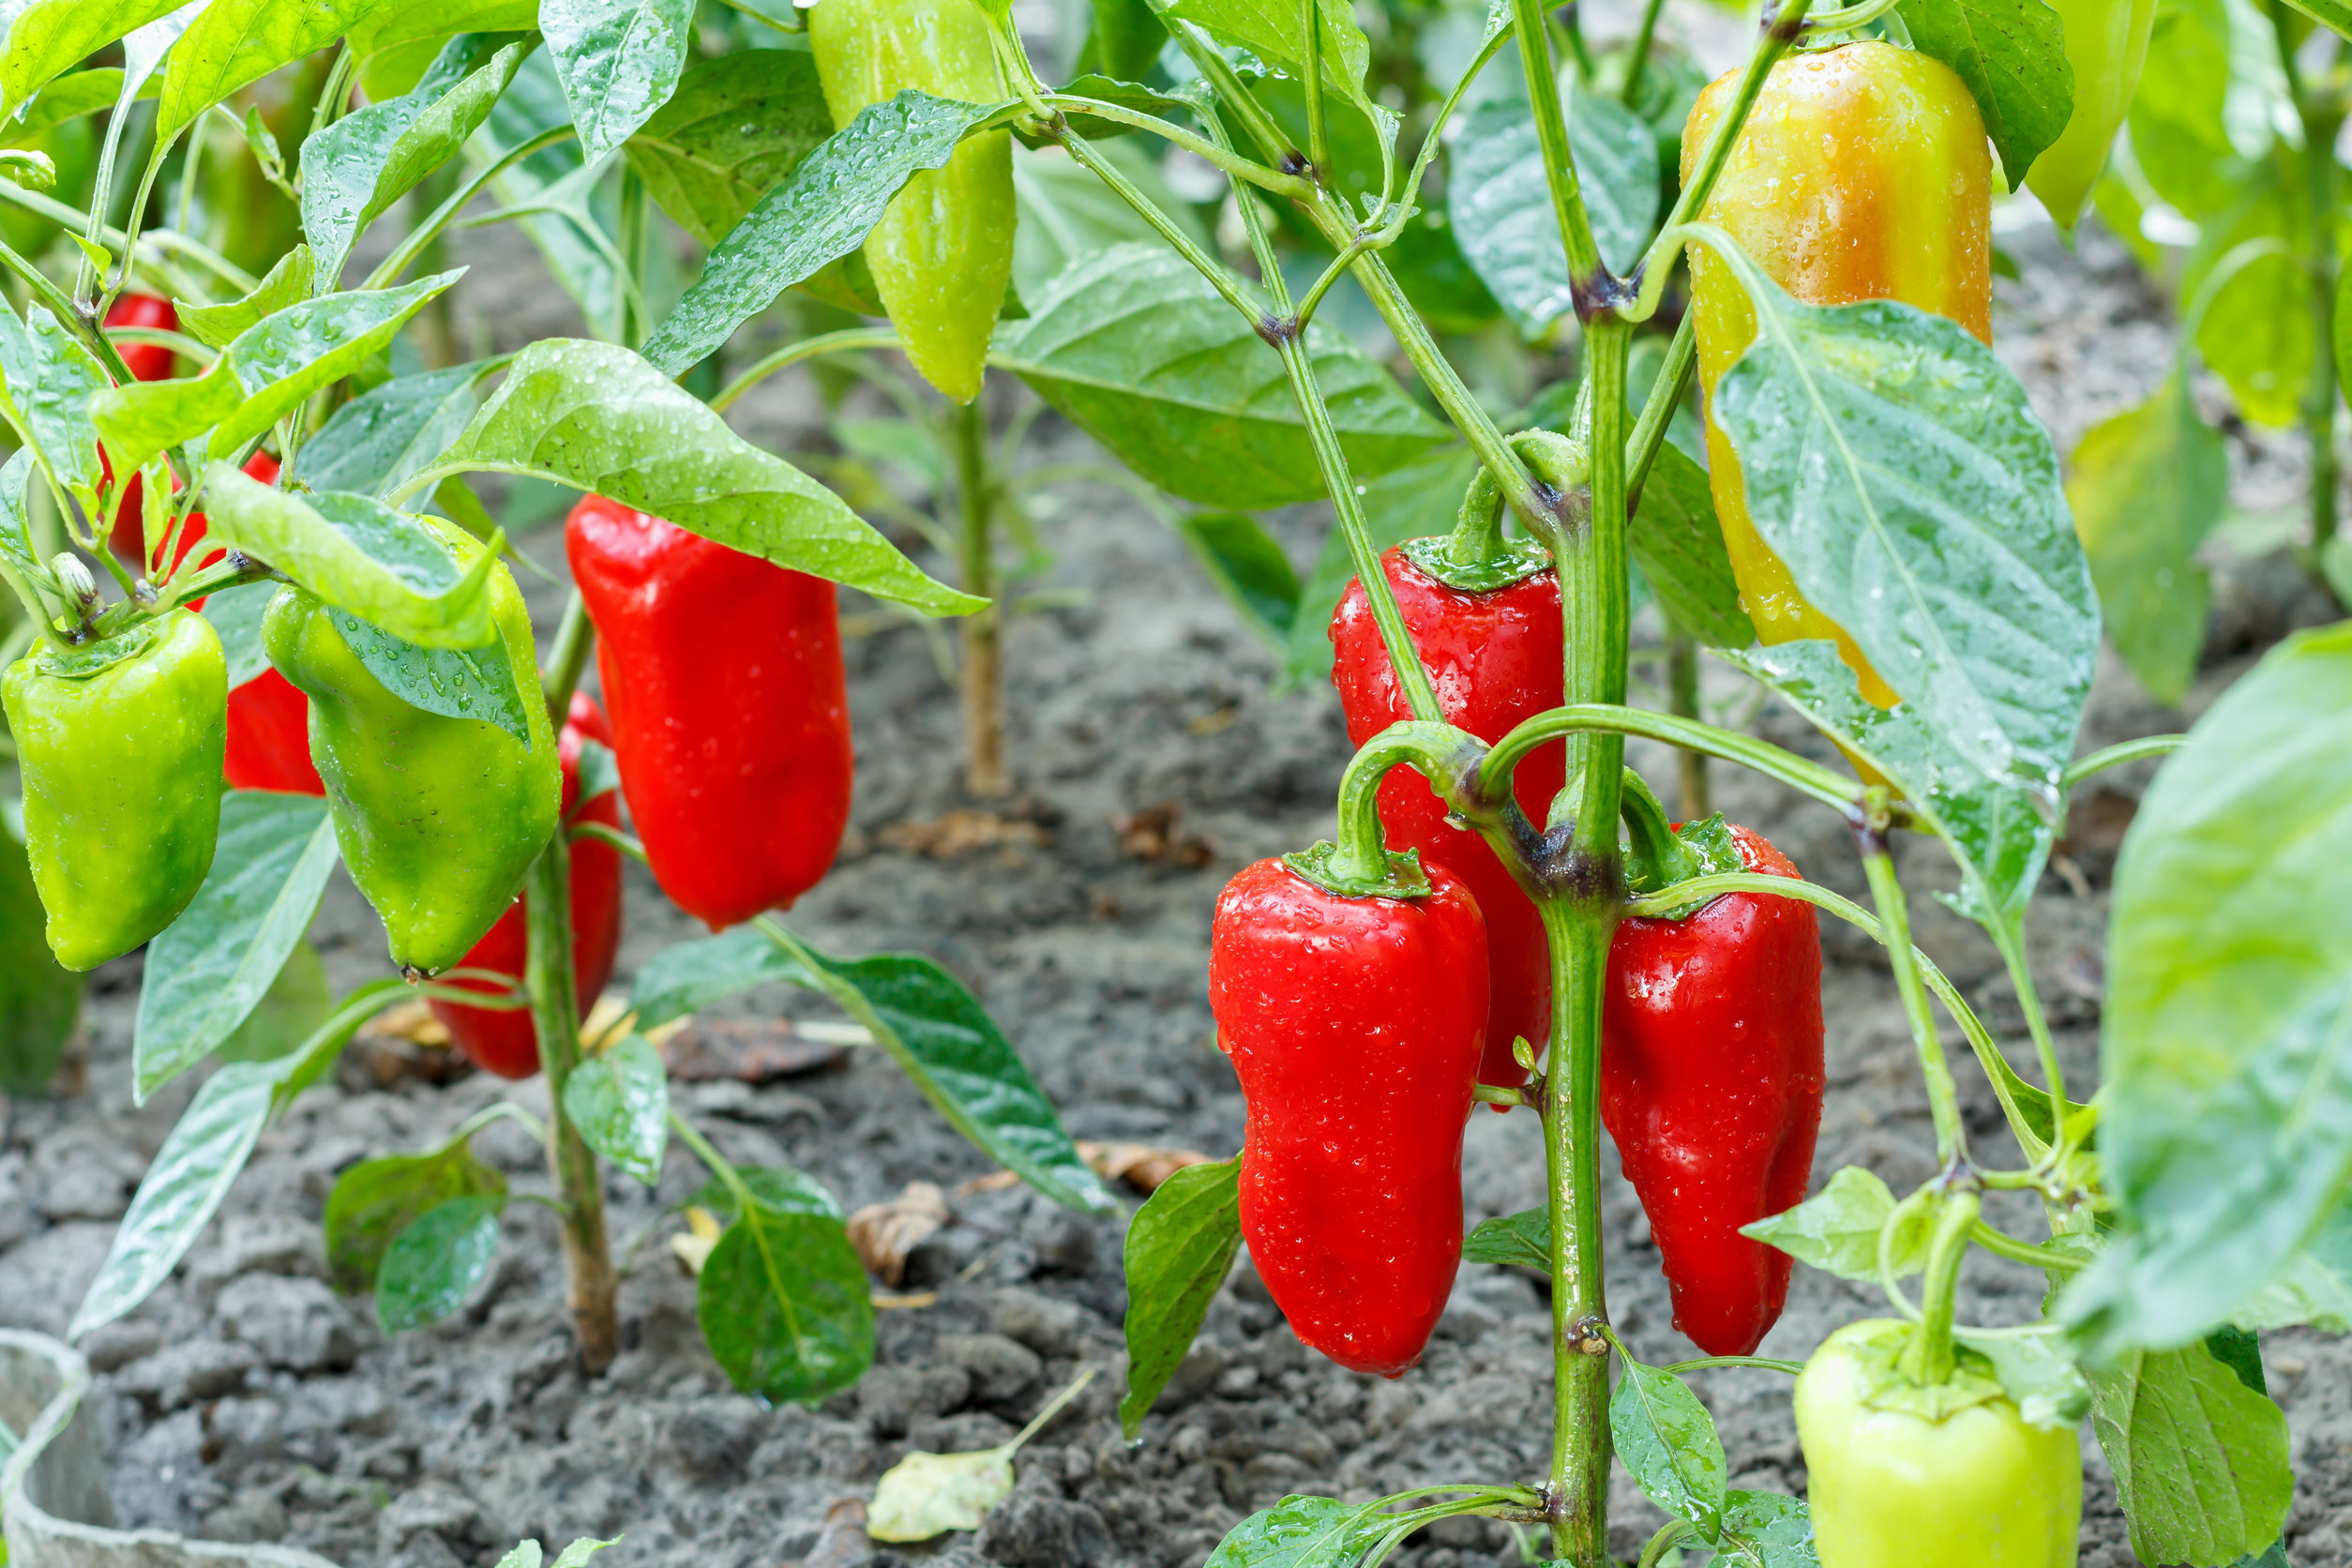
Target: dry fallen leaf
[[924, 1495], [957, 833], [995, 1180], [1141, 1166], [703, 1232], [410, 1021], [884, 1233], [883, 1301], [842, 1539], [1155, 834]]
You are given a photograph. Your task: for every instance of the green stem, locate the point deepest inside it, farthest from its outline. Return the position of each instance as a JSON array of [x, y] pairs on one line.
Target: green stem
[[567, 656], [1928, 1359], [1551, 135], [1657, 410], [61, 304], [1831, 789], [1443, 755], [1578, 1508], [1231, 163], [1311, 75], [983, 699], [2115, 756], [1593, 598], [2008, 937], [1673, 1533], [1210, 61], [1886, 891], [1760, 1363], [2001, 1244], [1637, 61], [1218, 275], [1683, 701], [849, 341]]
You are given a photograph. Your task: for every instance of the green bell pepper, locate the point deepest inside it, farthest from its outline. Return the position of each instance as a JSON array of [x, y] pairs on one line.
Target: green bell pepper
[[120, 744], [2106, 43]]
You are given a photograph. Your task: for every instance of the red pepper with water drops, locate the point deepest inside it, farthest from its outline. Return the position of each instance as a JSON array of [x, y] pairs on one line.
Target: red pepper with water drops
[[1354, 1025], [1710, 1085], [1491, 642], [144, 361], [731, 715], [504, 1040]]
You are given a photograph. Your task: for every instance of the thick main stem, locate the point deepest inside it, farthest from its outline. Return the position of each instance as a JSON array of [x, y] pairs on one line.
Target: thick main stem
[[984, 683]]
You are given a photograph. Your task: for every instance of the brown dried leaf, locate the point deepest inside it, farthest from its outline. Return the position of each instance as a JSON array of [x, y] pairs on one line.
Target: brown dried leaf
[[884, 1233], [1141, 1166], [958, 832], [1155, 834]]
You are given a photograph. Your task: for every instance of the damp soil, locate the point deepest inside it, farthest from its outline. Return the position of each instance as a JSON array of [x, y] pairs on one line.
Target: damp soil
[[247, 1401]]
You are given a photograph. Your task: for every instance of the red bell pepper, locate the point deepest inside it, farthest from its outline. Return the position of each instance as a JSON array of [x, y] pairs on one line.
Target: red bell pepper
[[145, 361], [129, 535], [270, 737], [504, 1040], [1710, 1084], [1354, 1025], [730, 714], [1495, 658]]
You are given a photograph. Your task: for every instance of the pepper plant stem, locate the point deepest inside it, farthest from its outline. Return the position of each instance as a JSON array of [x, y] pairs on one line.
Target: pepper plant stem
[[1886, 891], [1581, 1447], [983, 699], [1928, 1361]]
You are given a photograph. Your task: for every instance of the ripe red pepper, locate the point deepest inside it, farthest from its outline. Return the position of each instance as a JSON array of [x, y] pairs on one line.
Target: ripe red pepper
[[731, 712], [1710, 1084], [269, 738], [1495, 658], [128, 538], [145, 361], [503, 1040], [1354, 1024]]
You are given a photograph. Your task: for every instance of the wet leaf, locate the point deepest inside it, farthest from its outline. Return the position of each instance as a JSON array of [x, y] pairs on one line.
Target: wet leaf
[[48, 378], [735, 127], [2200, 1460], [288, 283], [1300, 1532], [1837, 1229], [687, 976], [2038, 1373], [619, 1100], [215, 963], [618, 61], [234, 44], [2012, 54], [1766, 1530], [1523, 1240], [49, 37], [436, 1262], [1138, 349], [777, 1187], [782, 1301], [1180, 1248], [389, 433], [459, 682], [1666, 1439], [377, 1199]]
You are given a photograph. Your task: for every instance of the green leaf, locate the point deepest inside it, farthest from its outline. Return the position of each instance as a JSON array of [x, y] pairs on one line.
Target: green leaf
[[1248, 568], [942, 1039], [618, 60], [1138, 349], [1837, 1229], [68, 98], [266, 373], [47, 380], [235, 614], [1766, 1530], [294, 1006], [201, 1156], [2337, 18], [396, 42], [619, 1099], [823, 211], [49, 38], [557, 188], [2227, 1048], [356, 168], [215, 963], [778, 1188], [1067, 213], [2200, 1460], [1125, 41], [1301, 1532], [17, 559], [2256, 334], [783, 1304], [1896, 466], [236, 43], [2148, 485], [2012, 54], [359, 555], [688, 976], [1404, 504], [288, 283], [375, 1200], [1500, 206], [1523, 1240], [41, 999], [735, 127], [2315, 1286], [435, 1262], [2038, 1373], [1271, 30], [2183, 119], [1180, 1248], [596, 418], [389, 433], [458, 683], [1677, 543], [1666, 1439]]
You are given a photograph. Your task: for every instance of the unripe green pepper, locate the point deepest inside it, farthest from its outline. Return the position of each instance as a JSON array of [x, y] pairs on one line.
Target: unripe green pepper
[[2106, 43], [1892, 1487], [439, 817], [120, 745], [944, 251]]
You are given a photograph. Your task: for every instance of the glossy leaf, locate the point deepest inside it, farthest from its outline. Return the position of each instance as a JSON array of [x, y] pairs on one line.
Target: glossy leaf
[[596, 418], [1837, 1229], [783, 1304], [1407, 502], [17, 559], [1766, 1530], [359, 555], [1271, 30], [618, 61], [41, 999], [356, 168], [2148, 485], [1523, 1240], [2226, 1046], [1895, 465], [214, 964], [68, 97], [941, 1038], [619, 1100], [236, 43], [2315, 1286], [397, 41], [1677, 543], [2038, 1373], [1180, 1247], [1666, 1439], [201, 1158], [1248, 568], [436, 1262], [554, 189], [47, 380], [391, 432], [1137, 349], [2013, 55], [1300, 1532], [734, 128], [2200, 1460], [1500, 206], [458, 683], [49, 37], [375, 1200], [295, 1005], [785, 1190], [687, 976], [218, 325], [825, 210]]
